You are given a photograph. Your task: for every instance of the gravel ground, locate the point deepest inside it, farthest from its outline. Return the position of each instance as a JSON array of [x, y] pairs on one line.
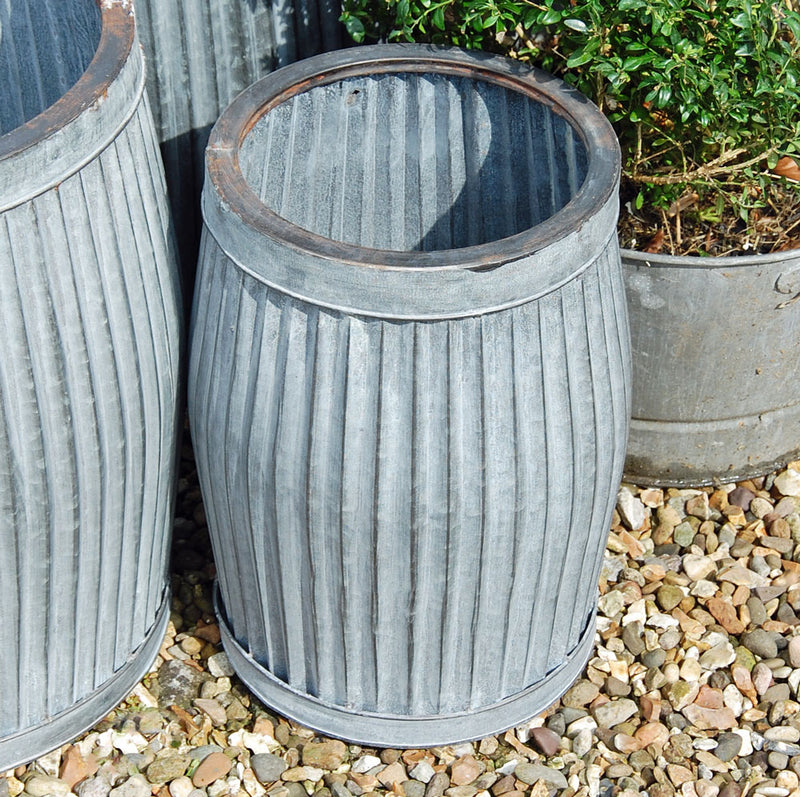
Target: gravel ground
[[692, 688]]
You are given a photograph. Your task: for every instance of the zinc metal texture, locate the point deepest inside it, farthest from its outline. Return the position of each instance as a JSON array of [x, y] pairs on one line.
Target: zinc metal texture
[[413, 162], [694, 424], [408, 516], [89, 394], [200, 54]]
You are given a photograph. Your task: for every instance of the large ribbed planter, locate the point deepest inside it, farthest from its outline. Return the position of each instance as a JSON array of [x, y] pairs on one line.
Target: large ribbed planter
[[200, 54], [409, 388], [716, 358], [89, 372]]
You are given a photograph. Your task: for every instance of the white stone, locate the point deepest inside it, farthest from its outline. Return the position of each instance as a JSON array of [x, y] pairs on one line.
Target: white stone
[[366, 763], [703, 589], [128, 743], [631, 509], [251, 784], [637, 613], [697, 567], [794, 681], [612, 603], [181, 787], [509, 767], [691, 670], [717, 657], [258, 742], [733, 699], [422, 771], [582, 743], [219, 666], [788, 482], [580, 725], [50, 763], [662, 621]]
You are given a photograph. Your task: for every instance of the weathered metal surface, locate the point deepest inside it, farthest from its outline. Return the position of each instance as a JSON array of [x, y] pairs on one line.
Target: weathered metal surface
[[716, 354], [409, 456], [89, 376], [200, 54]]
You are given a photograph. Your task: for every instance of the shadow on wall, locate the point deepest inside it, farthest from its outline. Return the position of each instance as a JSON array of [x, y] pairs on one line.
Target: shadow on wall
[[200, 55]]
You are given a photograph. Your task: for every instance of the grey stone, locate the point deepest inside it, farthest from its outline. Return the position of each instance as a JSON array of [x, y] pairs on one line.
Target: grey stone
[[267, 767], [759, 565], [437, 785], [778, 761], [612, 713], [340, 790], [557, 723], [135, 786], [413, 788], [97, 786], [632, 638], [683, 534], [204, 751], [531, 773], [728, 746], [653, 658], [781, 747], [758, 614], [178, 684], [760, 642]]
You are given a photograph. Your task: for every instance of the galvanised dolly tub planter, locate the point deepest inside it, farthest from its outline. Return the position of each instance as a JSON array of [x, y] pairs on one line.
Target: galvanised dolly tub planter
[[89, 372], [200, 54], [694, 423], [409, 388]]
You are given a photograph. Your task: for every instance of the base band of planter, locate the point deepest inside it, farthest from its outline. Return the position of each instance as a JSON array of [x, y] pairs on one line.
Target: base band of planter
[[55, 731], [403, 731], [724, 448]]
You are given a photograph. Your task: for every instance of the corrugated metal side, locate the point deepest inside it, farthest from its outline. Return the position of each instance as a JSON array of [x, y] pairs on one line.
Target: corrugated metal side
[[200, 54], [89, 396], [407, 516], [413, 162]]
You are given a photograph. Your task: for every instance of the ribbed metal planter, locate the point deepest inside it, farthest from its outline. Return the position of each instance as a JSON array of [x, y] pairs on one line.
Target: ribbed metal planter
[[409, 388], [89, 372], [200, 54], [716, 357]]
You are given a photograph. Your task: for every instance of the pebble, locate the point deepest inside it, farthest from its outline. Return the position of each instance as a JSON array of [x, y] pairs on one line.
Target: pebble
[[268, 767], [325, 755], [531, 773], [546, 741], [761, 643], [728, 746], [135, 786], [219, 666], [211, 768], [614, 712]]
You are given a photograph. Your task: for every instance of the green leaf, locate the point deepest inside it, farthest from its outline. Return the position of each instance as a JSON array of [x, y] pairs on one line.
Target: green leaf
[[355, 27]]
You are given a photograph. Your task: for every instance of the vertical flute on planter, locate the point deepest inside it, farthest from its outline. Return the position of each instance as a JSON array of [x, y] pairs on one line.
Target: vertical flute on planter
[[200, 54], [91, 329], [409, 388]]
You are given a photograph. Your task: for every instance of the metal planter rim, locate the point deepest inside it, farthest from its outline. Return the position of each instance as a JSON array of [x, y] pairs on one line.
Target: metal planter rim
[[711, 262], [116, 40], [224, 173]]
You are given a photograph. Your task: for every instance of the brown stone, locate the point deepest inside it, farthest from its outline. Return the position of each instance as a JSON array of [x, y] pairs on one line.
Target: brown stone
[[212, 767], [652, 733], [394, 773], [214, 710], [547, 742], [325, 755], [465, 770], [679, 774], [74, 767], [503, 786], [725, 614], [210, 633], [651, 708], [709, 698], [721, 719]]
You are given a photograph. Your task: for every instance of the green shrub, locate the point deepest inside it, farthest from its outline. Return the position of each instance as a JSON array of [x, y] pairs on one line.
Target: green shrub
[[704, 94]]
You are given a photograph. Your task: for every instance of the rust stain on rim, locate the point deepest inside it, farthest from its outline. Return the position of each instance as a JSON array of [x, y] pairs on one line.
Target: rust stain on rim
[[233, 126], [117, 30]]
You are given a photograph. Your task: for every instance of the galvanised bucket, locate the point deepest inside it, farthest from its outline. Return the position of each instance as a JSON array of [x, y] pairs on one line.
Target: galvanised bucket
[[200, 54], [409, 388], [716, 358], [89, 373]]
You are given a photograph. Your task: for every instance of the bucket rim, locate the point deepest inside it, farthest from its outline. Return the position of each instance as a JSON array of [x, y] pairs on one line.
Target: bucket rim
[[117, 34], [225, 178]]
